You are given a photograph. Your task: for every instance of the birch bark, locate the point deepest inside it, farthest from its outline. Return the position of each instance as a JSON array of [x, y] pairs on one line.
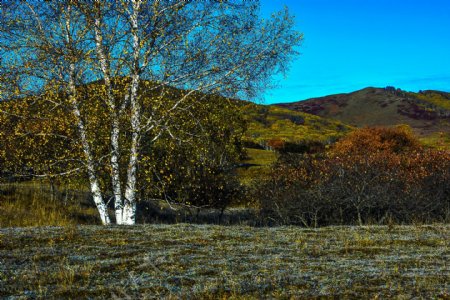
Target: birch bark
[[115, 127], [94, 184], [93, 180], [129, 210]]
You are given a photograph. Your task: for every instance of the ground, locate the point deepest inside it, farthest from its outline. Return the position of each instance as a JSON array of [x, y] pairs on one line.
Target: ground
[[207, 261]]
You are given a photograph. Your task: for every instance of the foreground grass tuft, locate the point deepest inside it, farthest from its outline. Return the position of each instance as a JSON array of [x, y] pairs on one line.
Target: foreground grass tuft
[[204, 261]]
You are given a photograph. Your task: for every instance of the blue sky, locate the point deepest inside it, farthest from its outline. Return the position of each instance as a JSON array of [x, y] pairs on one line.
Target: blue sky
[[352, 44]]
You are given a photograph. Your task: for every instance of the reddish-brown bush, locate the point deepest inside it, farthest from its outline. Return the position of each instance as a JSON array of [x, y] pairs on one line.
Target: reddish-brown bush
[[372, 175], [276, 144]]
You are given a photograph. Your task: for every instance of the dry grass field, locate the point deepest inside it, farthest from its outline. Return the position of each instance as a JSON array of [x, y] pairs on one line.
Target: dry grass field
[[228, 262]]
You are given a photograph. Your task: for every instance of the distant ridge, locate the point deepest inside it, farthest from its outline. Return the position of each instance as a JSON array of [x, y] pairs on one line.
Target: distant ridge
[[427, 112]]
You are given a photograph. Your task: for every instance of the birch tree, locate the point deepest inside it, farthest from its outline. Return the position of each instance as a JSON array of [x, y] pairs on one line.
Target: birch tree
[[121, 75]]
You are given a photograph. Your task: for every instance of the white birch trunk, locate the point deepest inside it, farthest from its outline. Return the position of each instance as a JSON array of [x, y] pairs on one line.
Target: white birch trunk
[[117, 189], [93, 180], [115, 129], [94, 184], [129, 211]]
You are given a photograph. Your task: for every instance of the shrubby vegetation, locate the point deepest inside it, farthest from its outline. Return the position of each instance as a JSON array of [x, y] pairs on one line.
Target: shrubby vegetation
[[198, 168], [191, 164], [374, 175]]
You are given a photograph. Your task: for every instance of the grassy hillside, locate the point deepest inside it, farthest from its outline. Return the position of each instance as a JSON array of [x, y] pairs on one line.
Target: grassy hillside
[[216, 262], [256, 165], [436, 98], [428, 112], [325, 120], [267, 123]]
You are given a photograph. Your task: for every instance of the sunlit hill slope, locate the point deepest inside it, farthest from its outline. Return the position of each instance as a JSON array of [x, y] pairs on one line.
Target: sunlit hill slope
[[427, 112]]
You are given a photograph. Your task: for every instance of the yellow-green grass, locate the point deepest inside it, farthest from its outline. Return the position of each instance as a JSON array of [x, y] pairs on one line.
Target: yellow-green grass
[[34, 204], [257, 165], [438, 140], [272, 122], [436, 98], [214, 262], [266, 123]]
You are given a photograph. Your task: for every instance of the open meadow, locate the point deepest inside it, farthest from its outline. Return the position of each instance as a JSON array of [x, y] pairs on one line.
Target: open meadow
[[229, 262]]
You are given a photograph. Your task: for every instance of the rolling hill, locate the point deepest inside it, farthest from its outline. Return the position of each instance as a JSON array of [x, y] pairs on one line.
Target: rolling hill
[[426, 112], [273, 123], [270, 127]]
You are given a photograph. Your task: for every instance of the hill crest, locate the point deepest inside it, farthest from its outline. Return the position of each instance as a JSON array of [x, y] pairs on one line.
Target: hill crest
[[426, 112]]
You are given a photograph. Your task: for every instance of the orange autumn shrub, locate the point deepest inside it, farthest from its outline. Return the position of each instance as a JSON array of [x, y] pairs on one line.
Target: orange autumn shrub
[[276, 144], [374, 175], [371, 140]]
